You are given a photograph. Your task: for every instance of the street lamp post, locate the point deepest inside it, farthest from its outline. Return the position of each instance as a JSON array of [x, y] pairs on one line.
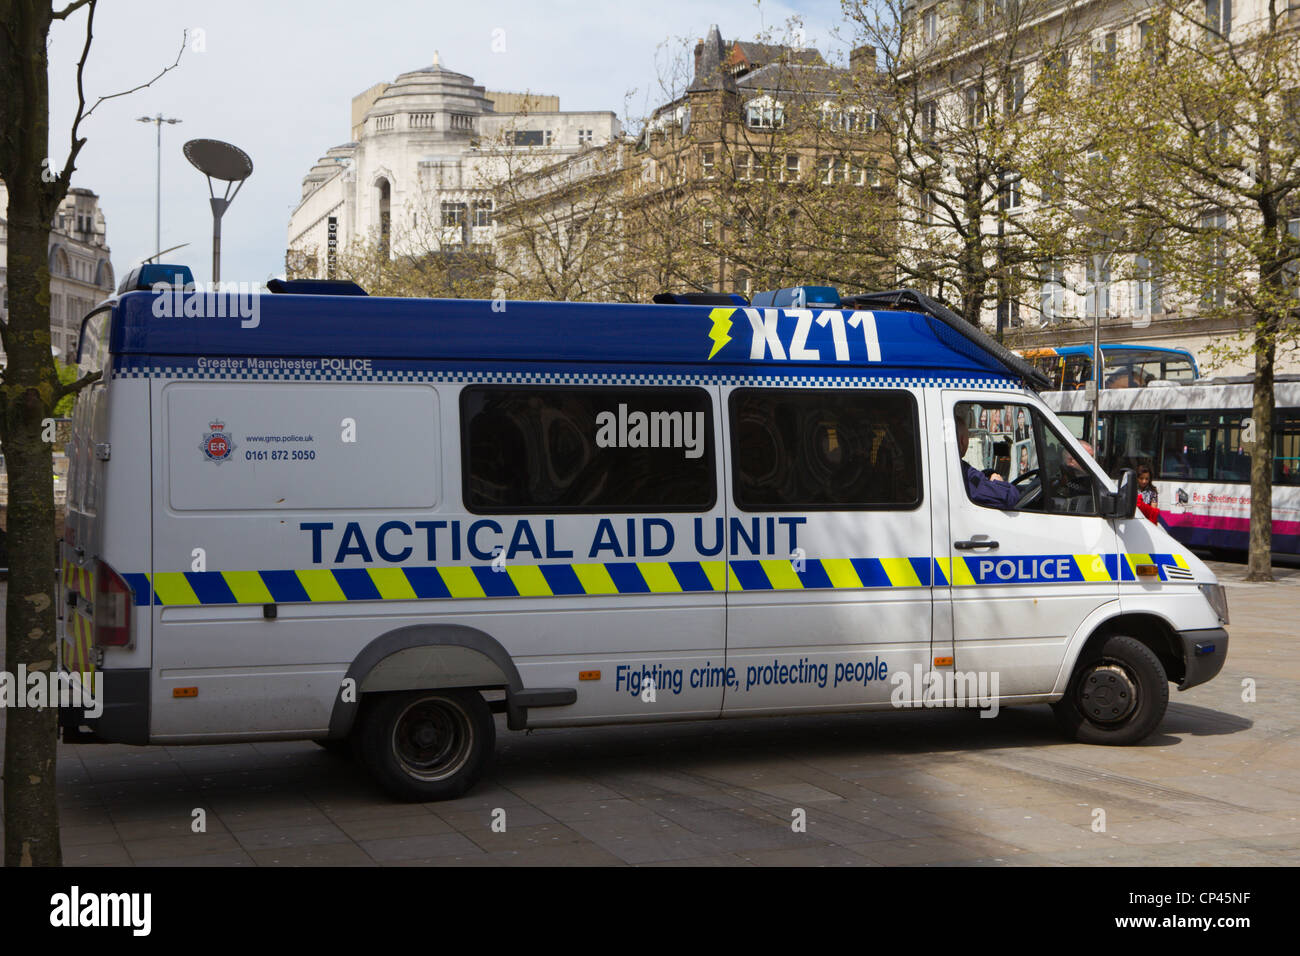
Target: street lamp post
[[157, 234], [218, 160]]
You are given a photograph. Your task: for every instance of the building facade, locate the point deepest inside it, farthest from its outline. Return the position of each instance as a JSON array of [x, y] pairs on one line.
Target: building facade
[[81, 274], [426, 154], [762, 172], [970, 77]]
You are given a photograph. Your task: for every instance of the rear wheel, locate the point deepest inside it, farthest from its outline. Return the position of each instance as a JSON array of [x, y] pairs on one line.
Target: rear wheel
[[427, 745], [1117, 695]]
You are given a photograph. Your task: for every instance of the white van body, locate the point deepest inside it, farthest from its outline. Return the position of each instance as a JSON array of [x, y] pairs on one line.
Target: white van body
[[276, 529]]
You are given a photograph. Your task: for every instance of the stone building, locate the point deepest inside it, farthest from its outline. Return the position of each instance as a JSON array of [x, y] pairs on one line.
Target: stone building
[[759, 173], [81, 274], [419, 171]]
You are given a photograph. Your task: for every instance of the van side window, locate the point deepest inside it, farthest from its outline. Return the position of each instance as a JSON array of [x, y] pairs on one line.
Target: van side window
[[1015, 443], [825, 449], [596, 450]]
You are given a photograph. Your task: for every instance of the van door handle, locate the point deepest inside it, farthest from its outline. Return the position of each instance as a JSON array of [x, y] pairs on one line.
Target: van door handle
[[972, 545]]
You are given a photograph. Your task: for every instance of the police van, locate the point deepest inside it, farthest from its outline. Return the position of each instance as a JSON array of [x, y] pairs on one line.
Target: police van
[[376, 522]]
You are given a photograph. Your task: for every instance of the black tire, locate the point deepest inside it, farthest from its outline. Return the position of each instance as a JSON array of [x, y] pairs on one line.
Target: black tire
[[426, 745], [335, 748], [1117, 694]]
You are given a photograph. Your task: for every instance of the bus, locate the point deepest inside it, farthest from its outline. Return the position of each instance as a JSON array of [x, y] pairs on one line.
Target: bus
[[1124, 366], [1194, 437]]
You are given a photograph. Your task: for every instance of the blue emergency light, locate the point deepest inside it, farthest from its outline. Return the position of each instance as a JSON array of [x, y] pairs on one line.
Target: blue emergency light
[[799, 297], [150, 274]]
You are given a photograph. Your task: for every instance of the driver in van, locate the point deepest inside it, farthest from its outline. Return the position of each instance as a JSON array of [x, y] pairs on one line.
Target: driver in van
[[991, 491]]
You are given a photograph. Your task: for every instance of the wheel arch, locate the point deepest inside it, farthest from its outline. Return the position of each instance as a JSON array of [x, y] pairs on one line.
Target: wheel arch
[[424, 657], [1151, 629]]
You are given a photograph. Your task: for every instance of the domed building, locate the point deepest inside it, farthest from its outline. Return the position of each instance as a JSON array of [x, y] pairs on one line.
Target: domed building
[[418, 173]]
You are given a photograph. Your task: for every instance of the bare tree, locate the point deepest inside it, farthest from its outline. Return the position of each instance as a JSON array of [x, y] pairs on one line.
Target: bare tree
[[29, 392]]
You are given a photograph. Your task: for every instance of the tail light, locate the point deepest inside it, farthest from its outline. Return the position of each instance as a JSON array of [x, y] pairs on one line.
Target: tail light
[[112, 608]]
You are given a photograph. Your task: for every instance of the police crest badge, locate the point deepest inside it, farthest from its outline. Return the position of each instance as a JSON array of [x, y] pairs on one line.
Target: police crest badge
[[216, 445]]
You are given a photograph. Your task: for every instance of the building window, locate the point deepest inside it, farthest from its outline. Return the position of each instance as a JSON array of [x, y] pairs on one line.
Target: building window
[[1218, 17], [791, 167], [1051, 292], [1146, 287], [930, 24], [453, 214], [706, 162], [929, 120], [1015, 92], [529, 137], [1009, 197], [1293, 267], [1096, 301], [707, 229], [585, 137], [765, 113], [482, 212], [974, 105], [1103, 56], [1214, 225], [826, 170], [742, 163]]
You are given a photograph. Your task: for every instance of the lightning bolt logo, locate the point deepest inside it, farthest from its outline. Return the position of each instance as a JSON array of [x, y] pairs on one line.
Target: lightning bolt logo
[[721, 326]]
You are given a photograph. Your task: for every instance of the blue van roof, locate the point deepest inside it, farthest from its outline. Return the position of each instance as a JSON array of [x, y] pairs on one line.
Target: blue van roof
[[507, 331]]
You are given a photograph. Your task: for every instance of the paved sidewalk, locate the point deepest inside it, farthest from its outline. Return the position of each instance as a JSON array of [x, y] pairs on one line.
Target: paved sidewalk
[[1218, 784]]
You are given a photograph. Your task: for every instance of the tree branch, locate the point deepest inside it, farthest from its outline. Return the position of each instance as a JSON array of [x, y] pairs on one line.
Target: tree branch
[[65, 177]]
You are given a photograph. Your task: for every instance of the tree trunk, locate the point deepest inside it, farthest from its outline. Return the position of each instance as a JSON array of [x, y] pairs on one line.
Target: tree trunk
[[1261, 463], [27, 397]]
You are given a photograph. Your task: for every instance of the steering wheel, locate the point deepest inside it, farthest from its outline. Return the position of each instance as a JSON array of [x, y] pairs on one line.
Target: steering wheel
[[1031, 489]]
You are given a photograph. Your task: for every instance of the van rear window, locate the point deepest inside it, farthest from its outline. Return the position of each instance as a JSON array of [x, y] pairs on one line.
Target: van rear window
[[587, 450], [825, 449]]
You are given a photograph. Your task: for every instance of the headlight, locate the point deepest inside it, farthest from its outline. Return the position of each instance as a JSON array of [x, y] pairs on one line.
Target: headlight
[[1218, 599]]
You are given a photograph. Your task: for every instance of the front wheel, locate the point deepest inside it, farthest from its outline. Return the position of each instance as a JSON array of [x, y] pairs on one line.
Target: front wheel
[[1117, 694], [427, 745]]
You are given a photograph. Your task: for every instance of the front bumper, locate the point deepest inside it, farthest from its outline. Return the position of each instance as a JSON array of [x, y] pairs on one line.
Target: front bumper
[[1204, 652]]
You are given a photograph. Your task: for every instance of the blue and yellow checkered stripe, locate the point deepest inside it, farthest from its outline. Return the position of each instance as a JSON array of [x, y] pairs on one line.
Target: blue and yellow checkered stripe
[[320, 585]]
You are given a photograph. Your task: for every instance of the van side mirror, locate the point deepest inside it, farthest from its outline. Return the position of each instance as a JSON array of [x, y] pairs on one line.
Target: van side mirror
[[1123, 502]]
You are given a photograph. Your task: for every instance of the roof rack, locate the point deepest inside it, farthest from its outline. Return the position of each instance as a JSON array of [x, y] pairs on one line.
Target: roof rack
[[910, 300], [314, 287], [699, 298]]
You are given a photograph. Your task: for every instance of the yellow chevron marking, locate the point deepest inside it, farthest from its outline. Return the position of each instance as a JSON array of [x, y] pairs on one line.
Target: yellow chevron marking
[[320, 585], [461, 582], [659, 577], [781, 574], [247, 587], [1091, 567], [841, 572], [595, 579], [529, 580], [716, 572], [900, 572], [391, 584], [172, 588]]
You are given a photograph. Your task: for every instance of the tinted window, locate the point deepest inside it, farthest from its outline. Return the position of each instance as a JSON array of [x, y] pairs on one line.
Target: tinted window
[[534, 450], [807, 448], [1286, 448], [1133, 441], [1186, 452], [1231, 460]]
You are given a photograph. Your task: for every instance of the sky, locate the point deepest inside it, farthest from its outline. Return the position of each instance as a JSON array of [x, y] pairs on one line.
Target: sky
[[276, 78]]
